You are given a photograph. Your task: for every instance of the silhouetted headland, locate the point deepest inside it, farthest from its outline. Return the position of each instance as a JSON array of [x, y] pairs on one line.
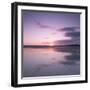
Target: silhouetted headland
[[48, 46]]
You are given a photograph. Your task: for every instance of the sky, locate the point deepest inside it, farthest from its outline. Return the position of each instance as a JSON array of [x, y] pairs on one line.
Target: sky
[[50, 28]]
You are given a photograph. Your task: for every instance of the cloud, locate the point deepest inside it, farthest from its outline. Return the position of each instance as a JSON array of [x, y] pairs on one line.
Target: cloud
[[68, 29], [73, 34], [65, 29], [75, 39], [43, 26], [67, 42]]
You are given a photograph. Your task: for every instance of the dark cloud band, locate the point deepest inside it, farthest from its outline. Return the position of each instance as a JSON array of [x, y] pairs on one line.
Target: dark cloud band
[[68, 29]]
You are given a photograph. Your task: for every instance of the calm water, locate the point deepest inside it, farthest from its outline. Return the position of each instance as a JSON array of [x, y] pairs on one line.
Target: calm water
[[51, 61]]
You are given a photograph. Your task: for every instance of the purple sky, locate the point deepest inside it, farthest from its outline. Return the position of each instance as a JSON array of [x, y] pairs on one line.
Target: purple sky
[[50, 28]]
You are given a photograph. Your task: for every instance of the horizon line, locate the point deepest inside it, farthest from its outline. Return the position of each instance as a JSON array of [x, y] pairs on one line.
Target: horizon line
[[50, 45]]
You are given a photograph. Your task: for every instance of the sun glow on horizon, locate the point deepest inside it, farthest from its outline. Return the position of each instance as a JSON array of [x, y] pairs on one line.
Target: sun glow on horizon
[[45, 28], [51, 44]]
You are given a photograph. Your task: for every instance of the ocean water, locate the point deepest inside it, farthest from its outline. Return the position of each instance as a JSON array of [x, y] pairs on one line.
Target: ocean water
[[51, 61]]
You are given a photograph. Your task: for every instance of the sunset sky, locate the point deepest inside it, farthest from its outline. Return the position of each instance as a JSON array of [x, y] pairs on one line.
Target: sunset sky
[[50, 28]]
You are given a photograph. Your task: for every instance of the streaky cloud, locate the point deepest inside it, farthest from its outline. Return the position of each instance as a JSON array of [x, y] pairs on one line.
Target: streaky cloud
[[73, 34], [67, 42], [68, 29], [44, 26]]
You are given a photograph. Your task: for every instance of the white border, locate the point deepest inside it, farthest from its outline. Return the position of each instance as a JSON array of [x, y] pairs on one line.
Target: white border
[[82, 48]]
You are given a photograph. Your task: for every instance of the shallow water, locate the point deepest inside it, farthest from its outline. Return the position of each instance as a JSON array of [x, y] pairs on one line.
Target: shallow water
[[51, 61]]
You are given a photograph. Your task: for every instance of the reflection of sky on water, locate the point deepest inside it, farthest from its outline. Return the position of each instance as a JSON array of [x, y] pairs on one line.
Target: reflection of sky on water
[[51, 61]]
